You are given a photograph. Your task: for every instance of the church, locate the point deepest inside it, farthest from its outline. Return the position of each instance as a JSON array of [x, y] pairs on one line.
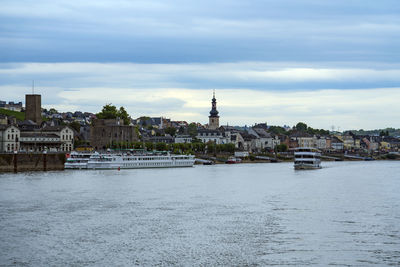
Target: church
[[213, 119]]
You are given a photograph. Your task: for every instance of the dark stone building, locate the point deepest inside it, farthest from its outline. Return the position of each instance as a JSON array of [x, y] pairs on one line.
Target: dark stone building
[[103, 133], [33, 108]]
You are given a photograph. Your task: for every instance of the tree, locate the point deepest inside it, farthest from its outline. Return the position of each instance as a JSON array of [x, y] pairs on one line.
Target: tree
[[192, 129], [161, 146], [170, 130], [277, 130], [301, 126], [53, 111], [76, 126], [149, 146], [110, 112], [124, 115], [281, 148]]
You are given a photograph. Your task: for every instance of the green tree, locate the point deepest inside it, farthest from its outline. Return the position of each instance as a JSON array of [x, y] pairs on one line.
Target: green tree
[[110, 112], [53, 111], [170, 130], [161, 146], [277, 130], [281, 148], [192, 129], [75, 125], [149, 146], [124, 115], [301, 126]]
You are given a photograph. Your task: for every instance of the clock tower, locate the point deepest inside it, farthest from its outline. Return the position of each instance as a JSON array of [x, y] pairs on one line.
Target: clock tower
[[213, 119]]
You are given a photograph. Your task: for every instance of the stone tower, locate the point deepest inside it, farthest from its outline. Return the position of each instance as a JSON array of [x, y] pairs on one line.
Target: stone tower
[[213, 119], [33, 108]]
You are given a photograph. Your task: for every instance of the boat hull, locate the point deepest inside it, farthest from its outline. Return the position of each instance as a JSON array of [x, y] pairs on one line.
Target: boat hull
[[306, 167]]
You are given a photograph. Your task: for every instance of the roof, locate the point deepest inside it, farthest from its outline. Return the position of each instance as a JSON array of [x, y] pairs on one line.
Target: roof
[[262, 132], [300, 134], [54, 128], [247, 136], [38, 134], [4, 127], [26, 122]]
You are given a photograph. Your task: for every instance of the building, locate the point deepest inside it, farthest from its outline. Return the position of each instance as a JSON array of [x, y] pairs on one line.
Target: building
[[14, 106], [183, 139], [9, 138], [104, 133], [215, 136], [33, 108], [50, 138], [303, 139], [337, 144], [213, 119], [3, 119]]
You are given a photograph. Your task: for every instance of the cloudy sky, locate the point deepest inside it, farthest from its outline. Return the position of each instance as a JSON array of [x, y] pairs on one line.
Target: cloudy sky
[[326, 63]]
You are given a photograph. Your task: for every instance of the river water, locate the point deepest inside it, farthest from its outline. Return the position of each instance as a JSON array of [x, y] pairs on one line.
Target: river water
[[347, 213]]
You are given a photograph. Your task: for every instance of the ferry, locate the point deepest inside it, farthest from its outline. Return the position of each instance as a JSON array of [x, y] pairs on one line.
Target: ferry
[[135, 161], [77, 160], [307, 158]]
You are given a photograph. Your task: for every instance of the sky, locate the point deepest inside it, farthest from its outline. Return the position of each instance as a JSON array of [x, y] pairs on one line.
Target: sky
[[330, 64]]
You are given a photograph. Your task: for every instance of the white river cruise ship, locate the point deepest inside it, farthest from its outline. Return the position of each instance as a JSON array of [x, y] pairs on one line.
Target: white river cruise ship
[[129, 161], [306, 158]]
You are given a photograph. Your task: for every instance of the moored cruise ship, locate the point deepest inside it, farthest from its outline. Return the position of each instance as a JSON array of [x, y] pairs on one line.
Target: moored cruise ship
[[138, 161], [77, 160], [306, 158]]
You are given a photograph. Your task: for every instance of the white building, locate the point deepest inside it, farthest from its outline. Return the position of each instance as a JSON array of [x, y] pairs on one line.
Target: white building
[[214, 136], [183, 139], [51, 138], [9, 138]]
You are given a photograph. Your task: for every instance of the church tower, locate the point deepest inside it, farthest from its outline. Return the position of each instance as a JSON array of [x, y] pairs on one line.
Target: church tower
[[213, 119]]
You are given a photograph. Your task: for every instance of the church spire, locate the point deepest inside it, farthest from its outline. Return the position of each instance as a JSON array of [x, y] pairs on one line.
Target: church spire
[[213, 118]]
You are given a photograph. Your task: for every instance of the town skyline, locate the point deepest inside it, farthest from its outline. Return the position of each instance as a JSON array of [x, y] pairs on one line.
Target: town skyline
[[277, 62]]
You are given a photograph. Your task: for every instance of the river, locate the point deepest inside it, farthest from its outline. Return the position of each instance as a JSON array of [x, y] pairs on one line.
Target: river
[[347, 213]]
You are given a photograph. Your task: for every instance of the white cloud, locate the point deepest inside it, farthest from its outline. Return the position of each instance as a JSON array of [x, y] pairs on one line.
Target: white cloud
[[256, 72], [177, 91]]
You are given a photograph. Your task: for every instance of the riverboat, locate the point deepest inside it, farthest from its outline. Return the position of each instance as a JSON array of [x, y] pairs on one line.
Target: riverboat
[[77, 160], [139, 161], [307, 158]]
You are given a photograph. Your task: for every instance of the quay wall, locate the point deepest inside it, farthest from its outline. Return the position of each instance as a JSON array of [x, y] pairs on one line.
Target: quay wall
[[22, 162]]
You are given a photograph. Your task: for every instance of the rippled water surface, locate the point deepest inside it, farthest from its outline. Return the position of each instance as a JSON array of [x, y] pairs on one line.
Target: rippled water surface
[[347, 213]]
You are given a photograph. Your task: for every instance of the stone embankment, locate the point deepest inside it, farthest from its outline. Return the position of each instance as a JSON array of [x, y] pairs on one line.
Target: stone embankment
[[21, 162]]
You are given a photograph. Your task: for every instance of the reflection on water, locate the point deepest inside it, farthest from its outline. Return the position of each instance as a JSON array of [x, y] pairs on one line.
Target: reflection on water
[[347, 213]]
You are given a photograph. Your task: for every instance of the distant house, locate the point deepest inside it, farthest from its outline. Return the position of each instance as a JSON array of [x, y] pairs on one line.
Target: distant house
[[183, 139], [3, 119], [265, 139], [303, 139], [9, 138], [337, 144], [160, 139], [215, 136], [14, 106]]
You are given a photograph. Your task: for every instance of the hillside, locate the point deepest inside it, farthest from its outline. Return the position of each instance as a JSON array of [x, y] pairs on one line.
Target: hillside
[[391, 131], [19, 115]]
